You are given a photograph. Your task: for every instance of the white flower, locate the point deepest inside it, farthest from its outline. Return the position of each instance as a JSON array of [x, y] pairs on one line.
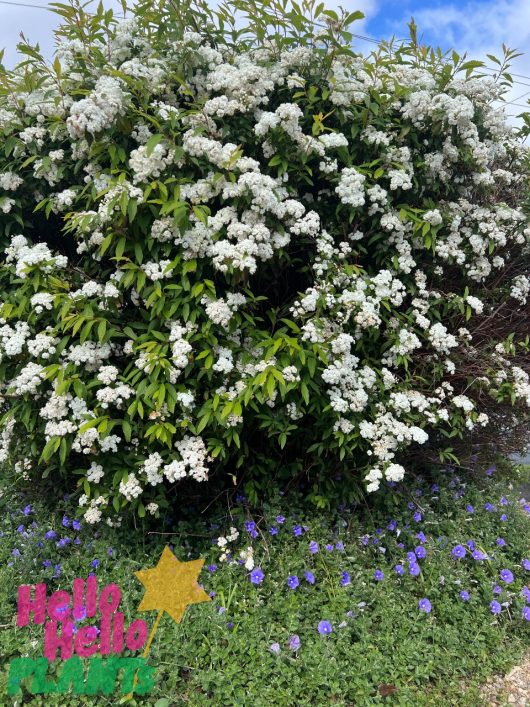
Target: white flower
[[351, 187]]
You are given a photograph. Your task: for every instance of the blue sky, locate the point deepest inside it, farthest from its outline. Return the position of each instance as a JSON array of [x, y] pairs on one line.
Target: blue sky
[[476, 26]]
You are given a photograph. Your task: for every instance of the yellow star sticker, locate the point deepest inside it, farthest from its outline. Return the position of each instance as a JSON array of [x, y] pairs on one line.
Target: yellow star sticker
[[171, 585]]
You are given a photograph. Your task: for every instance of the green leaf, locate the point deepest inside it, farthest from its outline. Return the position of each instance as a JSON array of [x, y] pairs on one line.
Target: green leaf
[[153, 141], [102, 329], [127, 431], [51, 446]]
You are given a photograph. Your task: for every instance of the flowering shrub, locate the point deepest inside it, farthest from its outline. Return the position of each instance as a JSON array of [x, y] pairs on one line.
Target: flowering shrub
[[251, 248]]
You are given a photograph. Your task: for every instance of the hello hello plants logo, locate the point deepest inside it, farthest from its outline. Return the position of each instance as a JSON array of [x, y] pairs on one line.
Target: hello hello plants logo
[[169, 587]]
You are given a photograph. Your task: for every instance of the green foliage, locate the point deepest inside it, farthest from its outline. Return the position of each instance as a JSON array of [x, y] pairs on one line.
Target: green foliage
[[386, 644]]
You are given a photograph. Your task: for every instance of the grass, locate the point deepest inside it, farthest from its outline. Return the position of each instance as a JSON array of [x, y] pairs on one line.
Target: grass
[[382, 650]]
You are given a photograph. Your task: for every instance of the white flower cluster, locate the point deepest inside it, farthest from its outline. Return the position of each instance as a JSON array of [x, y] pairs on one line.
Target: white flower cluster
[[99, 110], [10, 181], [130, 488], [25, 256], [220, 311], [520, 288], [95, 473], [351, 187], [145, 165]]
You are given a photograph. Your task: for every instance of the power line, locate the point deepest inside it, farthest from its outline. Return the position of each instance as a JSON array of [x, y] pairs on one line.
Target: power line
[[24, 4], [44, 7]]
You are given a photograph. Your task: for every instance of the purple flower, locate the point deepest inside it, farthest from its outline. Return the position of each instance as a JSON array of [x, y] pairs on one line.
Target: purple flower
[[495, 607], [469, 508], [497, 590], [504, 501], [417, 516], [297, 530], [504, 518], [458, 552], [63, 542], [309, 577], [392, 525], [253, 533], [421, 537], [27, 510], [526, 565], [65, 522], [273, 530], [76, 525], [58, 569], [20, 529], [489, 507], [345, 580], [95, 564], [464, 595], [501, 542], [47, 563], [249, 525], [489, 472], [425, 605], [420, 552], [212, 568], [471, 545], [16, 552], [62, 609], [292, 581], [525, 592], [478, 555], [379, 576], [275, 648], [506, 576], [257, 576], [435, 488], [526, 613], [400, 570], [329, 547], [294, 642], [313, 547], [280, 519], [324, 628], [339, 546], [222, 609], [411, 556], [414, 569], [50, 535]]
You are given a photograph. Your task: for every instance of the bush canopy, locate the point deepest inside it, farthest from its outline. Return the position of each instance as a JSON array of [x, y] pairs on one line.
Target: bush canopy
[[232, 244]]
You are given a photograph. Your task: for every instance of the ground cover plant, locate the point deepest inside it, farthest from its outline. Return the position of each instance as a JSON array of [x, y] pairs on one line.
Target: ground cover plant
[[243, 249], [413, 601]]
